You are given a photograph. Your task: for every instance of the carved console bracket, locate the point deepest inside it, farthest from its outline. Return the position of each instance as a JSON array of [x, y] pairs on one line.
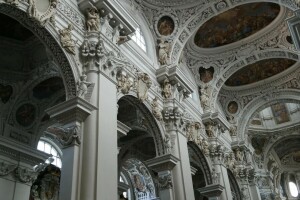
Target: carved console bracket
[[177, 78], [211, 191], [163, 166], [73, 110], [118, 17], [162, 163], [70, 114], [216, 117]]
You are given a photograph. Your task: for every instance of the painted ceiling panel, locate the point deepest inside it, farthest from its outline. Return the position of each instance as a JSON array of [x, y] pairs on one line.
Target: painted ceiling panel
[[235, 24], [259, 71]]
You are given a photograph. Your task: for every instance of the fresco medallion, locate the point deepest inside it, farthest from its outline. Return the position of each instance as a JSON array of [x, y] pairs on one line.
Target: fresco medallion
[[165, 25]]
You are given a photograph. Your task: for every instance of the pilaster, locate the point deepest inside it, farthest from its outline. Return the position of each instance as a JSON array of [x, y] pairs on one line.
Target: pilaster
[[175, 88], [70, 115]]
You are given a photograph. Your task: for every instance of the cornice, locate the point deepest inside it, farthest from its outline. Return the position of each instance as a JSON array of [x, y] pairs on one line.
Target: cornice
[[20, 152]]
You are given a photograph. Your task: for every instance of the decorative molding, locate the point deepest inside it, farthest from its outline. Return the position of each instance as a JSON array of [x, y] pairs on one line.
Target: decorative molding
[[42, 17]]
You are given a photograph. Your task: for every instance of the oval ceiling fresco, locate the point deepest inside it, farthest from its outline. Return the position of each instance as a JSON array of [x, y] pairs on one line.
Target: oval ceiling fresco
[[235, 24], [259, 71]]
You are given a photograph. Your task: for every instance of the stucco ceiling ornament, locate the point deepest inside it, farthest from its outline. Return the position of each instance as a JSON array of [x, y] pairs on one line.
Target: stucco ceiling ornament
[[66, 39], [40, 11]]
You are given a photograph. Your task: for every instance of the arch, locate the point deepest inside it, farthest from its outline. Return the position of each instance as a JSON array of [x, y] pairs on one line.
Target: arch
[[261, 102], [234, 186], [154, 128], [207, 12], [201, 162], [50, 42], [271, 146]]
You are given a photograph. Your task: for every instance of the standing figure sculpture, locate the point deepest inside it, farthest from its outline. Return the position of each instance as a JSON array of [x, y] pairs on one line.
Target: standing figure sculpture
[[66, 39], [93, 20], [167, 89], [163, 52], [168, 143], [204, 98]]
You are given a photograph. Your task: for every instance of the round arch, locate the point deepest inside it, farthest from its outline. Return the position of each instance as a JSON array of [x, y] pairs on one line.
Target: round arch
[[68, 73], [281, 138], [154, 129], [261, 102], [201, 161], [234, 186]]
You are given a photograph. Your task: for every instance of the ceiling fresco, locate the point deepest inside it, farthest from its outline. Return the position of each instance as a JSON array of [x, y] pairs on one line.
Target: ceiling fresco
[[287, 146], [259, 71], [235, 24], [280, 113]]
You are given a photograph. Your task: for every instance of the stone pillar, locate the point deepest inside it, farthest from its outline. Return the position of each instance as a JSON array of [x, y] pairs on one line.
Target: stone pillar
[[163, 165], [99, 175], [219, 171], [71, 114], [183, 185], [224, 181]]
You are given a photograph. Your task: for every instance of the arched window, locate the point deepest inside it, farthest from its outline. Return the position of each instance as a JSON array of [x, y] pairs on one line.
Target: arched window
[[293, 189], [139, 39], [123, 179], [50, 148]]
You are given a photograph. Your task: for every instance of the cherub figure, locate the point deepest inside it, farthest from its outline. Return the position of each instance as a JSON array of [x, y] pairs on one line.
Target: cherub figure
[[163, 52]]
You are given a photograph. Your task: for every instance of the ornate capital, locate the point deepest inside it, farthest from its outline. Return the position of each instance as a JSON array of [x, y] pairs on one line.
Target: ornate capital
[[6, 168], [165, 181], [25, 175]]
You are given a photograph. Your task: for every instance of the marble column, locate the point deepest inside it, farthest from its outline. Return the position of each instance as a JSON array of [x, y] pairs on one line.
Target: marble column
[[70, 114]]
